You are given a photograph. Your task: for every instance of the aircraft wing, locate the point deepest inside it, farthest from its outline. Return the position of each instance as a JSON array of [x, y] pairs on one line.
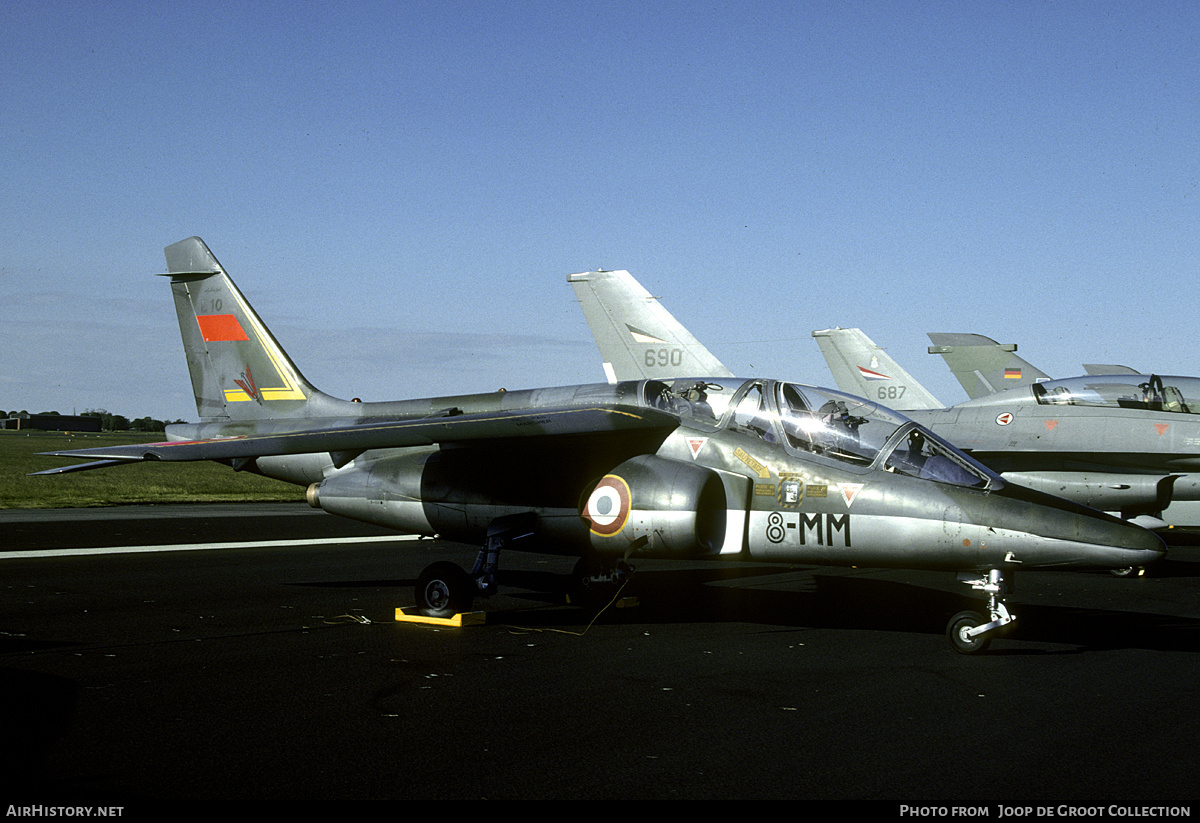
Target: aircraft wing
[[348, 441], [638, 339], [861, 367], [982, 365]]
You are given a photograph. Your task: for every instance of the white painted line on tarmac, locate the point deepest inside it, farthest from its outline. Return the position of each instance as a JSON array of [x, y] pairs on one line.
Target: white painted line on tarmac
[[193, 547]]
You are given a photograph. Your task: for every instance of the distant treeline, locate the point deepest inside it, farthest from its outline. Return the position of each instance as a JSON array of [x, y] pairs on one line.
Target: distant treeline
[[109, 421]]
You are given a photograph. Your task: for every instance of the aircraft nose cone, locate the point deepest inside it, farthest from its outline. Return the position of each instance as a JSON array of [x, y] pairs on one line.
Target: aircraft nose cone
[[1101, 541], [1072, 535], [1141, 546], [1118, 543]]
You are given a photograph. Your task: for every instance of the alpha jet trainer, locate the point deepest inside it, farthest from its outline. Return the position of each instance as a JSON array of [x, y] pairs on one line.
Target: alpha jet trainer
[[1104, 441], [681, 468], [637, 337]]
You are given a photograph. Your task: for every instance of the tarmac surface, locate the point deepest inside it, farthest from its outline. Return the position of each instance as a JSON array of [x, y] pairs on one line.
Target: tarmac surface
[[254, 655]]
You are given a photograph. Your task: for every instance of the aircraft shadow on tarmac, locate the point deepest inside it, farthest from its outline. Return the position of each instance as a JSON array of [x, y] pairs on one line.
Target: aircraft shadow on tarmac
[[841, 602], [808, 597], [47, 711]]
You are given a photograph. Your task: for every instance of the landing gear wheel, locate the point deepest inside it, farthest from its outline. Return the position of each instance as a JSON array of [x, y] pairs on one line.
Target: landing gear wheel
[[1128, 571], [443, 590], [585, 591], [585, 568], [594, 582], [959, 625]]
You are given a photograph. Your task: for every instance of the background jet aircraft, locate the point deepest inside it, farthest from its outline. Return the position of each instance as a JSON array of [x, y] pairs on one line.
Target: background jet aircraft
[[855, 360], [1122, 443], [645, 340], [707, 468], [1094, 444], [1108, 368], [983, 366]]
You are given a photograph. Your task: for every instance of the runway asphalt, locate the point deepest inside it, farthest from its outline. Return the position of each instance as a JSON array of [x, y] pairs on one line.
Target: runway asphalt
[[260, 661]]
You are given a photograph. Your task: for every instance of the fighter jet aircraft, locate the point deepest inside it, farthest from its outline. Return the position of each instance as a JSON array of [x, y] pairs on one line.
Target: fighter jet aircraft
[[1120, 442], [855, 360], [1104, 442], [635, 352], [983, 366], [690, 467]]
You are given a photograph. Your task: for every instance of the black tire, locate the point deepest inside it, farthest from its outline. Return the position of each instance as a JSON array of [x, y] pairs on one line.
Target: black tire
[[586, 566], [443, 590], [581, 593], [962, 644], [595, 595], [1128, 571]]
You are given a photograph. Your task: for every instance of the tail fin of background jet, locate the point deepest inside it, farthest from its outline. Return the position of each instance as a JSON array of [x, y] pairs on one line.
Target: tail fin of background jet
[[982, 365], [239, 371], [1108, 368], [861, 367], [637, 337]]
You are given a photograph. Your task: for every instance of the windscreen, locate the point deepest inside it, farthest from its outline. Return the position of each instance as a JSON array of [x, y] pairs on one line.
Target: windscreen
[[919, 453], [857, 431], [836, 425], [816, 421], [700, 403]]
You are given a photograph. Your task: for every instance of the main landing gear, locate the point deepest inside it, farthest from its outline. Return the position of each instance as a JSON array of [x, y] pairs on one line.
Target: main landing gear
[[969, 631], [444, 589], [595, 582]]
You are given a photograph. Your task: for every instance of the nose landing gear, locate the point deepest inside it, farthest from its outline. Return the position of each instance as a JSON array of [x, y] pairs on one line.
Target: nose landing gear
[[969, 631]]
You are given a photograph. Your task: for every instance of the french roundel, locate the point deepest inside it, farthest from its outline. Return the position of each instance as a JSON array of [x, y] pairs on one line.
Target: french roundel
[[607, 506]]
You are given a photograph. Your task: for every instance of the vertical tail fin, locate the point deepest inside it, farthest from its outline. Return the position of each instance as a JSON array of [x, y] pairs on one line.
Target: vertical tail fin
[[239, 371], [861, 367], [636, 336], [982, 365], [1109, 368]]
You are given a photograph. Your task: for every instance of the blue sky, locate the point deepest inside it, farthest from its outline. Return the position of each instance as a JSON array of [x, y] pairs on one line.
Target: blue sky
[[401, 188]]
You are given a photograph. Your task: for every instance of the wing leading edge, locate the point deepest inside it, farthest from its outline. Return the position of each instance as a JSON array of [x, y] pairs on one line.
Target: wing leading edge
[[355, 439]]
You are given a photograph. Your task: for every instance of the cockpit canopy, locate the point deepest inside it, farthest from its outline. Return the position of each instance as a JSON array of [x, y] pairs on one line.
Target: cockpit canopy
[[1149, 392], [811, 421]]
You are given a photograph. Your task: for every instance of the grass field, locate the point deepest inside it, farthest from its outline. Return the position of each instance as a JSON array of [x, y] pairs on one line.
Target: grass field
[[138, 483]]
